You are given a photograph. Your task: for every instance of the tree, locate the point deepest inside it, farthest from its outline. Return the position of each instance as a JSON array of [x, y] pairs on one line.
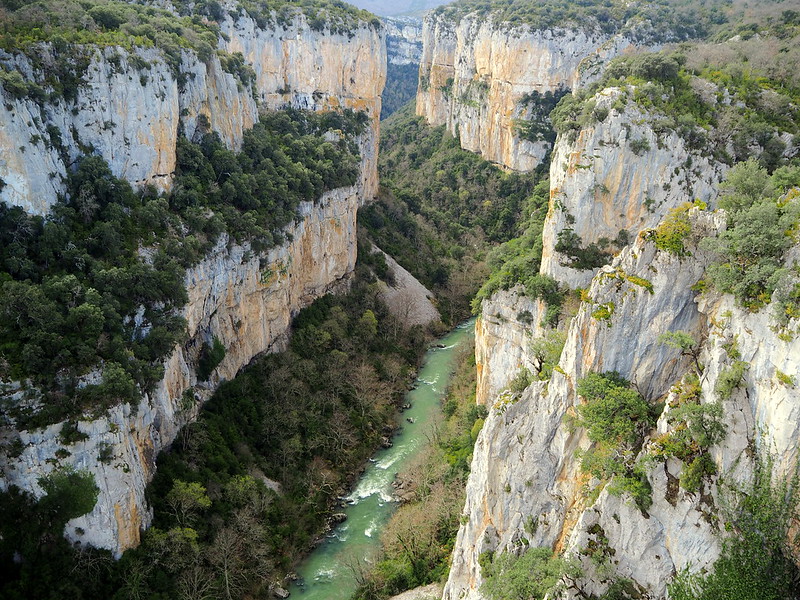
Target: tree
[[683, 341], [756, 560], [613, 413], [69, 494], [616, 418], [747, 183], [186, 500], [546, 352]]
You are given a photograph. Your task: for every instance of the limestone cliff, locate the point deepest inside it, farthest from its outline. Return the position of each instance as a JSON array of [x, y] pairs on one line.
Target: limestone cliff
[[526, 487], [245, 300], [131, 107], [503, 333], [617, 175], [474, 75], [403, 40], [132, 117]]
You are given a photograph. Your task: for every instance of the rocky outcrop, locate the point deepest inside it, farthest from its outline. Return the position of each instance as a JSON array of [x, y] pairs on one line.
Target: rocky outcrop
[[427, 592], [131, 107], [406, 298], [526, 487], [503, 332], [475, 73], [618, 174], [298, 66], [403, 40], [132, 116]]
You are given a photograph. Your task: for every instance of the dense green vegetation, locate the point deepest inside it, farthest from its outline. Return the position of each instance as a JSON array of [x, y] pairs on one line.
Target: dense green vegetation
[[307, 418], [77, 290], [517, 261], [34, 556], [757, 553], [763, 217], [534, 575], [420, 536], [721, 102], [694, 427], [536, 126], [333, 15], [401, 87], [649, 22], [74, 29], [616, 418], [442, 208]]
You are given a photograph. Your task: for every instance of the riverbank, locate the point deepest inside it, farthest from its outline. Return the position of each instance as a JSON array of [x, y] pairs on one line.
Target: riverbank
[[335, 569]]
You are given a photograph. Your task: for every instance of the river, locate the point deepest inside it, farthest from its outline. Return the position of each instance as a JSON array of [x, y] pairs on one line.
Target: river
[[325, 574]]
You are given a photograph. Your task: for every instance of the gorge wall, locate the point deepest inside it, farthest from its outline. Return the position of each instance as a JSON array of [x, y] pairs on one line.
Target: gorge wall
[[475, 76], [245, 299], [526, 489], [132, 115], [525, 470]]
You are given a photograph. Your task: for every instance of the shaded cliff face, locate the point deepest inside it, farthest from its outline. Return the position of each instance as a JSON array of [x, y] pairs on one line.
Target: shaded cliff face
[[524, 468], [403, 40], [245, 300], [617, 175], [131, 114], [474, 74]]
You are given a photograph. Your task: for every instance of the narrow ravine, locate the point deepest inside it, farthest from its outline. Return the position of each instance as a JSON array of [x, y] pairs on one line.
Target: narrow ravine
[[327, 574]]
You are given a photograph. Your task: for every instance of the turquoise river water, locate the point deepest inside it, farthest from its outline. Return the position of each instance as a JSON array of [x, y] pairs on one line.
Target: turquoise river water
[[327, 573]]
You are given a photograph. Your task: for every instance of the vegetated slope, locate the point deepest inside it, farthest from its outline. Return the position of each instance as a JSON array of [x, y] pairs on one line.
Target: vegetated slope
[[77, 295], [401, 87], [492, 71], [182, 247], [441, 208], [690, 332], [244, 490]]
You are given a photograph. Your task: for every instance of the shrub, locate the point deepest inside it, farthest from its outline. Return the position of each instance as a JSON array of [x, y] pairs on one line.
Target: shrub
[[729, 379], [210, 357], [579, 257], [535, 574], [639, 146], [616, 418], [70, 434], [521, 381], [612, 412], [749, 253], [674, 229]]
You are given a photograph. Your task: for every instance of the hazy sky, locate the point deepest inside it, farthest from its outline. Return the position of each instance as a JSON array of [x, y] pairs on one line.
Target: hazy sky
[[388, 8]]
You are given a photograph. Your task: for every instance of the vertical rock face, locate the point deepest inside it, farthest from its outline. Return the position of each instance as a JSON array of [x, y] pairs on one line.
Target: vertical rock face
[[474, 74], [300, 67], [618, 174], [131, 114], [503, 332], [525, 487], [403, 40], [244, 299]]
